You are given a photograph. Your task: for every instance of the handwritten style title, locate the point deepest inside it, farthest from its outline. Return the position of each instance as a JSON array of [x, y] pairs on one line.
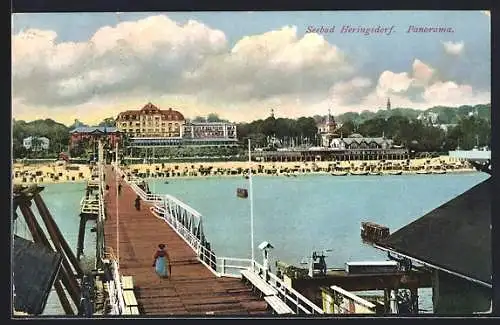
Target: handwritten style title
[[380, 30]]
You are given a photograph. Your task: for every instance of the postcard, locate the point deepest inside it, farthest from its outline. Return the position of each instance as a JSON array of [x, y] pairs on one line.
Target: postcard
[[270, 163]]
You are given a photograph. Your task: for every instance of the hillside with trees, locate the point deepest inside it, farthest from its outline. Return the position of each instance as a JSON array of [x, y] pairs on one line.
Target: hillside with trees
[[466, 127]]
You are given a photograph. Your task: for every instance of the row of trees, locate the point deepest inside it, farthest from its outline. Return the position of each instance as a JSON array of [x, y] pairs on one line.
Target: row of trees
[[445, 115], [401, 125], [411, 133], [419, 136]]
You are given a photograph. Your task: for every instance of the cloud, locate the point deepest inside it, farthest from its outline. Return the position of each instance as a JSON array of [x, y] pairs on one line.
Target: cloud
[[157, 56], [453, 48], [422, 73], [192, 67], [422, 89], [115, 60], [270, 64]]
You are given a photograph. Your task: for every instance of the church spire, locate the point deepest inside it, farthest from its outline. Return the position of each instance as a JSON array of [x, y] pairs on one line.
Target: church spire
[[328, 117], [388, 103]]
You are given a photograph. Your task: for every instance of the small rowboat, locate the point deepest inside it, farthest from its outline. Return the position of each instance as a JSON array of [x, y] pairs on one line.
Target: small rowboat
[[242, 192]]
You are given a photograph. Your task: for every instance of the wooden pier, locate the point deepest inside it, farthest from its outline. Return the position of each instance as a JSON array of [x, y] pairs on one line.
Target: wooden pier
[[192, 288]]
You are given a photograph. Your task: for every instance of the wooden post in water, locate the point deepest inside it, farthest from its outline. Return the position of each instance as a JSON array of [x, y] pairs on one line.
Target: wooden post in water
[[414, 299], [387, 295], [63, 298], [67, 277], [81, 236], [39, 237], [54, 231]]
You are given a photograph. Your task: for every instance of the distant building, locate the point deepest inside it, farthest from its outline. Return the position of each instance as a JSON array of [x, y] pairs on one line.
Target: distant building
[[36, 143], [150, 121], [473, 113], [92, 134], [429, 118], [209, 130], [326, 130], [388, 104], [357, 141], [152, 126], [446, 127]]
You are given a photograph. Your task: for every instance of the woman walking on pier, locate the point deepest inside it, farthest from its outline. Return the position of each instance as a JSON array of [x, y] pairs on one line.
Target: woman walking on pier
[[162, 262]]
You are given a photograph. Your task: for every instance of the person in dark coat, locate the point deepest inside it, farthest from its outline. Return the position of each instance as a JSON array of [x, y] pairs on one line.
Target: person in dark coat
[[138, 203], [119, 188]]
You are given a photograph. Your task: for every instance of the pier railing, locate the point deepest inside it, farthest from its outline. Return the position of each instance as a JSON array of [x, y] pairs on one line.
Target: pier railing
[[186, 222], [105, 254], [115, 290], [289, 295]]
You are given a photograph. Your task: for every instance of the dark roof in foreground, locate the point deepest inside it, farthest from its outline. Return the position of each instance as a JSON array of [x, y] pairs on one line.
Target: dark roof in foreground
[[35, 268], [456, 236]]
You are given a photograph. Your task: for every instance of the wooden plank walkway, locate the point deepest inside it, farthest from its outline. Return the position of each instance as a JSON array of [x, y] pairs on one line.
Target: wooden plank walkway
[[192, 288]]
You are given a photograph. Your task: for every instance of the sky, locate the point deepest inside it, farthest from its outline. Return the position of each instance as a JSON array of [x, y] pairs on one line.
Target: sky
[[240, 65]]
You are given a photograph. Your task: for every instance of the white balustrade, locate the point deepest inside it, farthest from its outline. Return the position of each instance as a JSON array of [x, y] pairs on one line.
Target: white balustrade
[[171, 210]]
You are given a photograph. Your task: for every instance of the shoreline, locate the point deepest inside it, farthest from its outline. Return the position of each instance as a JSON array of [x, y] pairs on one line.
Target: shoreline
[[55, 173]]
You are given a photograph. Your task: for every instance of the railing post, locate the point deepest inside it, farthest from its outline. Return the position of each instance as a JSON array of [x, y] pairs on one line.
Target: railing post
[[223, 266]]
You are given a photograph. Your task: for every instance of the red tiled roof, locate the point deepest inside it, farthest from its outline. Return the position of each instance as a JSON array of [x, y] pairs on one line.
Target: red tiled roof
[[170, 114]]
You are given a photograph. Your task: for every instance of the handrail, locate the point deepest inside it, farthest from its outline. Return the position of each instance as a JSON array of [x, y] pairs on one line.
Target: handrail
[[118, 286], [218, 265], [289, 294]]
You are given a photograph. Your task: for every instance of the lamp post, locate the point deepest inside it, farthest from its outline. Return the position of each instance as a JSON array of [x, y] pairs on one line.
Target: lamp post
[[251, 200]]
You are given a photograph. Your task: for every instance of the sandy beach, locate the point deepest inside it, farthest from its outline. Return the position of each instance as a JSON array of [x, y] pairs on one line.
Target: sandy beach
[[60, 172], [50, 173], [239, 168]]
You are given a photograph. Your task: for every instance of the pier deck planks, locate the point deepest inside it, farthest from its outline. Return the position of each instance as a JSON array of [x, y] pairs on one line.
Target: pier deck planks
[[192, 288]]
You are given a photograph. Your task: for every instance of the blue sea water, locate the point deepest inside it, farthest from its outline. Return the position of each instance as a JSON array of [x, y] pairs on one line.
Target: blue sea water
[[295, 214]]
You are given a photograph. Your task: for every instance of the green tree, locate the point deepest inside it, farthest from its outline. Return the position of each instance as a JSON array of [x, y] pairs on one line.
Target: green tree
[[109, 121]]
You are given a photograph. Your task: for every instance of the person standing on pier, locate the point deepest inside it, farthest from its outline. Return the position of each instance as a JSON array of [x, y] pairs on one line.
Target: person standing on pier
[[162, 263], [138, 203]]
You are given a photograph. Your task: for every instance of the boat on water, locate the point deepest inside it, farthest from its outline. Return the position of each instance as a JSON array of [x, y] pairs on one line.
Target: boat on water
[[359, 172], [242, 193], [394, 172], [438, 170], [374, 173], [423, 171], [339, 173]]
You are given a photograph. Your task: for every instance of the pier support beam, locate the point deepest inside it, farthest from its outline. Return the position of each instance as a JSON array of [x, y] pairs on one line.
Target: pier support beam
[[39, 237], [56, 234], [81, 236], [414, 299], [387, 301]]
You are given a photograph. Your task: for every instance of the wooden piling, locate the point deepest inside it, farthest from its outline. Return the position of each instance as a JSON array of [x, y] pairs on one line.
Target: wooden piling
[[54, 231], [39, 238], [414, 299], [387, 296], [81, 236], [67, 278], [68, 310]]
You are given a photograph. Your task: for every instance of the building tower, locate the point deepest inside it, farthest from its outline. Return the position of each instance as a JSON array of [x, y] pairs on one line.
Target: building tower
[[272, 112], [327, 129], [388, 104]]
